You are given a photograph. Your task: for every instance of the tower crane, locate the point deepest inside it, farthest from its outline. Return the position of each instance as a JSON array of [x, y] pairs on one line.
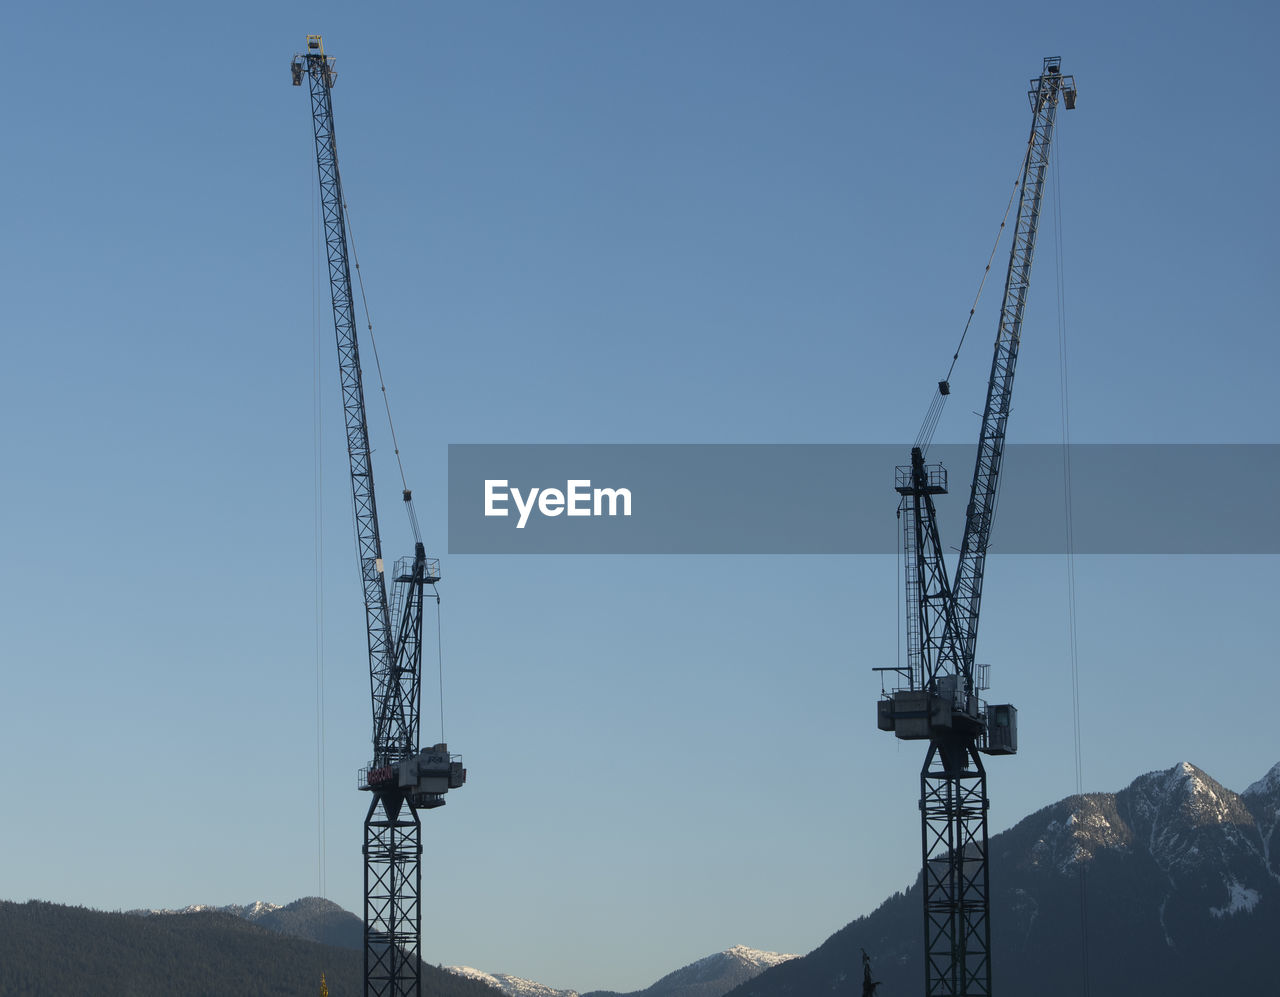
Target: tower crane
[[400, 779], [937, 698]]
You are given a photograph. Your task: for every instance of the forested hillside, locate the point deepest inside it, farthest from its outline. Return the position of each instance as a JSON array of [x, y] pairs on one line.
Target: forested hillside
[[48, 949]]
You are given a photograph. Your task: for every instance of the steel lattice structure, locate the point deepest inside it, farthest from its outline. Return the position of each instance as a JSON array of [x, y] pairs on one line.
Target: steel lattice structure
[[392, 896], [1044, 97], [939, 698], [401, 779]]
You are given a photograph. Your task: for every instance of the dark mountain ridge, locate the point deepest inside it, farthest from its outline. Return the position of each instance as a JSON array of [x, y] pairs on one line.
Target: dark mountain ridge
[[1181, 896], [1178, 879], [313, 918], [712, 976], [49, 949]]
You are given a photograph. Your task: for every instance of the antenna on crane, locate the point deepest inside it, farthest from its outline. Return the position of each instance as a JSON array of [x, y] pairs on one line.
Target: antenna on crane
[[400, 779], [937, 698]]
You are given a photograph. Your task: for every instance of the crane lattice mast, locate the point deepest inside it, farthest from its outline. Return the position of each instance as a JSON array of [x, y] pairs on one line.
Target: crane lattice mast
[[401, 779], [938, 696]]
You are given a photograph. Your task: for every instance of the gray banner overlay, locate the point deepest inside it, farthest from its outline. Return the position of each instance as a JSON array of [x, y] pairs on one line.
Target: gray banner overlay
[[840, 498]]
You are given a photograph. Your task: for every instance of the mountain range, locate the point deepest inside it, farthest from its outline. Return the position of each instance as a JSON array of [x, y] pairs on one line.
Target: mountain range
[[312, 918], [1170, 886], [711, 976], [50, 949]]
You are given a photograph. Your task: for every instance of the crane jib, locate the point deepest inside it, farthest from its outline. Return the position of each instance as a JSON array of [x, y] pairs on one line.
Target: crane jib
[[393, 682], [983, 492]]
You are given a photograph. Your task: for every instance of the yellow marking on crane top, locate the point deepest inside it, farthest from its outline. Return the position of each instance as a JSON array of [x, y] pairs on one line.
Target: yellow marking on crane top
[[315, 44]]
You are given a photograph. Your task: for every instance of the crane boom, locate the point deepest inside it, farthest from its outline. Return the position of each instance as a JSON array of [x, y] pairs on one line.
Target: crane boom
[[364, 501], [938, 698], [995, 415], [401, 779]]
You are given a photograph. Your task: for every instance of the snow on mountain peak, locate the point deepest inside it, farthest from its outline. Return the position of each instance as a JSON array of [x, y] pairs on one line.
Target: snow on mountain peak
[[1269, 783], [738, 963], [257, 909], [513, 986], [1210, 803], [250, 912], [1186, 777], [1178, 813], [1188, 790], [1189, 820], [756, 957], [1091, 826]]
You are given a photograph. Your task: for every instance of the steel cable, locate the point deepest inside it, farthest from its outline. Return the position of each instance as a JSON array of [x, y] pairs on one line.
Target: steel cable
[[1073, 642], [934, 413]]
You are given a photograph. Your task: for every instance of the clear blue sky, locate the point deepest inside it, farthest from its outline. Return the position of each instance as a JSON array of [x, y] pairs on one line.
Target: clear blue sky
[[584, 222]]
